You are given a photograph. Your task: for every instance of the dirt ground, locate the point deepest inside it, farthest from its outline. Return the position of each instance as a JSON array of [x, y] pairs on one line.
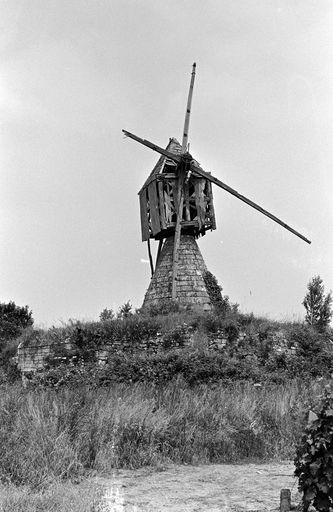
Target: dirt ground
[[211, 488]]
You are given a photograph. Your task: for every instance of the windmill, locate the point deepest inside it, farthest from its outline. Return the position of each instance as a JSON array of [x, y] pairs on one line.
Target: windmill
[[176, 207]]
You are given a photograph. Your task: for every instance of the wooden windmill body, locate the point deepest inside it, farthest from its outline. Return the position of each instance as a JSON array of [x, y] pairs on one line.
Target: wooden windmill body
[[176, 207]]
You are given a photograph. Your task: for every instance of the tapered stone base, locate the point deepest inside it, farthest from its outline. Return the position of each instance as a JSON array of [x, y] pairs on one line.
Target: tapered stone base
[[190, 286]]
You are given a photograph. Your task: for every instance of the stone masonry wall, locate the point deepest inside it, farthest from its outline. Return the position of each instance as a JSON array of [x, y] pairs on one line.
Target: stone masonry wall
[[190, 286], [33, 357]]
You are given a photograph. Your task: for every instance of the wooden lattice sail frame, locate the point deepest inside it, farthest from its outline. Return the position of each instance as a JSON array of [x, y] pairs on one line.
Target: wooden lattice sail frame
[[159, 201]]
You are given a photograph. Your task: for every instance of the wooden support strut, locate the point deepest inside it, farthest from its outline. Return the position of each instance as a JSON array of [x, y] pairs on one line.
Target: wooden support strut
[[175, 259], [160, 244], [150, 258]]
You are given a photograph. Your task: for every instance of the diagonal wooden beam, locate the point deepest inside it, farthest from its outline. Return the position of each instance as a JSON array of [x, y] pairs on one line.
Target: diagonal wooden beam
[[158, 255], [152, 146], [175, 259], [150, 258]]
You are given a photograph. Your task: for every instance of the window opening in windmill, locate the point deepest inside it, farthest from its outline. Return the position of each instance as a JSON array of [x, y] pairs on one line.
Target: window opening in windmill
[[169, 168]]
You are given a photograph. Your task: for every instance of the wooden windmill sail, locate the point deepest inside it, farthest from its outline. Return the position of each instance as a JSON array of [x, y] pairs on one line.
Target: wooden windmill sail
[[176, 206]]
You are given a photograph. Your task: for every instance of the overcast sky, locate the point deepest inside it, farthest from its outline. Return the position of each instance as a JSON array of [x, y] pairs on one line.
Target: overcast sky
[[74, 73]]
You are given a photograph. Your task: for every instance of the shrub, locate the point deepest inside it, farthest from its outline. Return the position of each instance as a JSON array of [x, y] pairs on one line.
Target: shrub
[[318, 306], [13, 319], [313, 350], [212, 323], [165, 307], [314, 458], [125, 310], [106, 314], [251, 346], [176, 337], [221, 304]]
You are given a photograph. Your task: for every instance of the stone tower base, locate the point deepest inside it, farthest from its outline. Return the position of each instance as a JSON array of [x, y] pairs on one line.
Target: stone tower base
[[190, 288]]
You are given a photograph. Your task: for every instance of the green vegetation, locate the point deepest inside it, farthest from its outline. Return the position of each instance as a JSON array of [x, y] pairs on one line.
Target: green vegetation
[[14, 320], [314, 460], [199, 348], [56, 497], [220, 303], [318, 306], [176, 387], [48, 435]]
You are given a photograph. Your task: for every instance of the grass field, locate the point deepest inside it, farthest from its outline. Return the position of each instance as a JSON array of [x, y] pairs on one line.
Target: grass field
[[57, 497], [51, 435], [184, 404]]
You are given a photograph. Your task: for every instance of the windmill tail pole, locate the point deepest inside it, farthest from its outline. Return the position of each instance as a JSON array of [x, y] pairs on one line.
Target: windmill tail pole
[[188, 111]]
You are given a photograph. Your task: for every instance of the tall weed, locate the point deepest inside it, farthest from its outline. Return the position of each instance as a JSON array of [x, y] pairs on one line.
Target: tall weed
[[48, 434]]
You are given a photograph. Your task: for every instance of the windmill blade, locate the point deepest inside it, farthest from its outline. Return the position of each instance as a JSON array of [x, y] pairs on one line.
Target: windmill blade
[[219, 183], [188, 110], [152, 146]]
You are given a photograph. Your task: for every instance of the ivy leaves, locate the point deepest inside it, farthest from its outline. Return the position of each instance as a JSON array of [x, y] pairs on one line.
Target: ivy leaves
[[314, 457]]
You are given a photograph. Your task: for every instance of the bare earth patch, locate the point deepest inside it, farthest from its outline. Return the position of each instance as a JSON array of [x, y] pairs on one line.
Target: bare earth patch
[[211, 488]]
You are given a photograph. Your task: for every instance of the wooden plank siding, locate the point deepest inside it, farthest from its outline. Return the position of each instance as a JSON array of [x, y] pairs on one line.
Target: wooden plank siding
[[200, 202], [175, 194], [211, 205], [187, 202], [167, 202], [154, 208], [144, 215], [161, 202]]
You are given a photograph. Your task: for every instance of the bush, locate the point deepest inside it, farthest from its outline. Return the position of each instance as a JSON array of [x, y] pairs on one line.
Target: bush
[[245, 346], [13, 319], [165, 307], [176, 337], [313, 351], [220, 303], [318, 306], [106, 314], [314, 459], [193, 366]]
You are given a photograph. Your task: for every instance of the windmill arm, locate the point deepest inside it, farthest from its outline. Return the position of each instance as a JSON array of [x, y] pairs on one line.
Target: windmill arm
[[152, 146], [188, 110], [219, 183]]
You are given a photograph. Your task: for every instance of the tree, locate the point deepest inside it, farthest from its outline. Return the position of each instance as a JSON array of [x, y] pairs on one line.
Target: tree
[[318, 307], [125, 310], [13, 319], [107, 314]]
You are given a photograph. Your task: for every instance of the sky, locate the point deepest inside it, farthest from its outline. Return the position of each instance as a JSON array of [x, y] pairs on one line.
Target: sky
[[74, 74]]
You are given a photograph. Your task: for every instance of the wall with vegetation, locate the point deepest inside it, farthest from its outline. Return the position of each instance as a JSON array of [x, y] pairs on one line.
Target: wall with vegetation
[[199, 348]]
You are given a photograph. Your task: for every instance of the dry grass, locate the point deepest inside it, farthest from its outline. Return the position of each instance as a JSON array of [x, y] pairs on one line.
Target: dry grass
[[49, 435], [57, 497]]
